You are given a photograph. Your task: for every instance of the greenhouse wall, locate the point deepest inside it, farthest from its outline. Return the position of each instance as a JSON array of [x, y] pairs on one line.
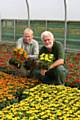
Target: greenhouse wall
[[11, 30]]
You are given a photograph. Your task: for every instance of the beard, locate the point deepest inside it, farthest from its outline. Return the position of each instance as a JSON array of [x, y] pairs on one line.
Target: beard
[[49, 46]]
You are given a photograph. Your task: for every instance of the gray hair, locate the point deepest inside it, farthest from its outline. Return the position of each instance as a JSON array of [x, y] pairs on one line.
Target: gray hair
[[28, 30], [47, 33]]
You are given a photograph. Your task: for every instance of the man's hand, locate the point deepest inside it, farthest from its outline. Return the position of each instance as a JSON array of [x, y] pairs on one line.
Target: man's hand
[[43, 71]]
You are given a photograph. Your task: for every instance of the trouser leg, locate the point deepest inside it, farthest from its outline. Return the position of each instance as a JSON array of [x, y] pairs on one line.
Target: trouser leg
[[60, 73], [38, 76], [56, 76], [53, 76], [45, 79]]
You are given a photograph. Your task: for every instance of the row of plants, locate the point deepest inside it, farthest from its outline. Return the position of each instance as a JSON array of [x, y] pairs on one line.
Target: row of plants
[[42, 101], [45, 102], [73, 66], [11, 88], [5, 54]]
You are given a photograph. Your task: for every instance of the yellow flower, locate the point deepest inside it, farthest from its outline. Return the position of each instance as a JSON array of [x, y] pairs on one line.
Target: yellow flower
[[15, 49]]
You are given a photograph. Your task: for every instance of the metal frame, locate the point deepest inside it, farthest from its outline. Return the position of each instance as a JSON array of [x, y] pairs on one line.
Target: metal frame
[[46, 25], [65, 27], [65, 20], [28, 11]]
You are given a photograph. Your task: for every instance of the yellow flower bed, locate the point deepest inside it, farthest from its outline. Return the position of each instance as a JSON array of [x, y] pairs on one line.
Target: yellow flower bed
[[45, 102]]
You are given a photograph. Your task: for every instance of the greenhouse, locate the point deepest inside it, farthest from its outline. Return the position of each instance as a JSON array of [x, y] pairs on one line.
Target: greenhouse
[[24, 97]]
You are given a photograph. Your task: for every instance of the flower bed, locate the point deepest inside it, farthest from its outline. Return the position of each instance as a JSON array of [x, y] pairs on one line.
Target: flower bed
[[73, 65], [45, 102], [42, 101], [5, 54], [11, 88]]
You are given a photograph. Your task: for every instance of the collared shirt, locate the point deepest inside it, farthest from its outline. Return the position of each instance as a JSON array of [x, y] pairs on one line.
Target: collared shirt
[[32, 48]]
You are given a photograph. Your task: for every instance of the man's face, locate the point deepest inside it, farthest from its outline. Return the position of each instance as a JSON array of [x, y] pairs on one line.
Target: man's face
[[27, 37], [48, 41]]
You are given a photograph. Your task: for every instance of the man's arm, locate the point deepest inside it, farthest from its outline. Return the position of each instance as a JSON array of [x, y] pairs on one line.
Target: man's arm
[[60, 53], [19, 43], [57, 63], [35, 50]]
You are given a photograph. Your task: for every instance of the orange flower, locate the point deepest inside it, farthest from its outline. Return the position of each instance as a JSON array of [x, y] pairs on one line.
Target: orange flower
[[18, 57]]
